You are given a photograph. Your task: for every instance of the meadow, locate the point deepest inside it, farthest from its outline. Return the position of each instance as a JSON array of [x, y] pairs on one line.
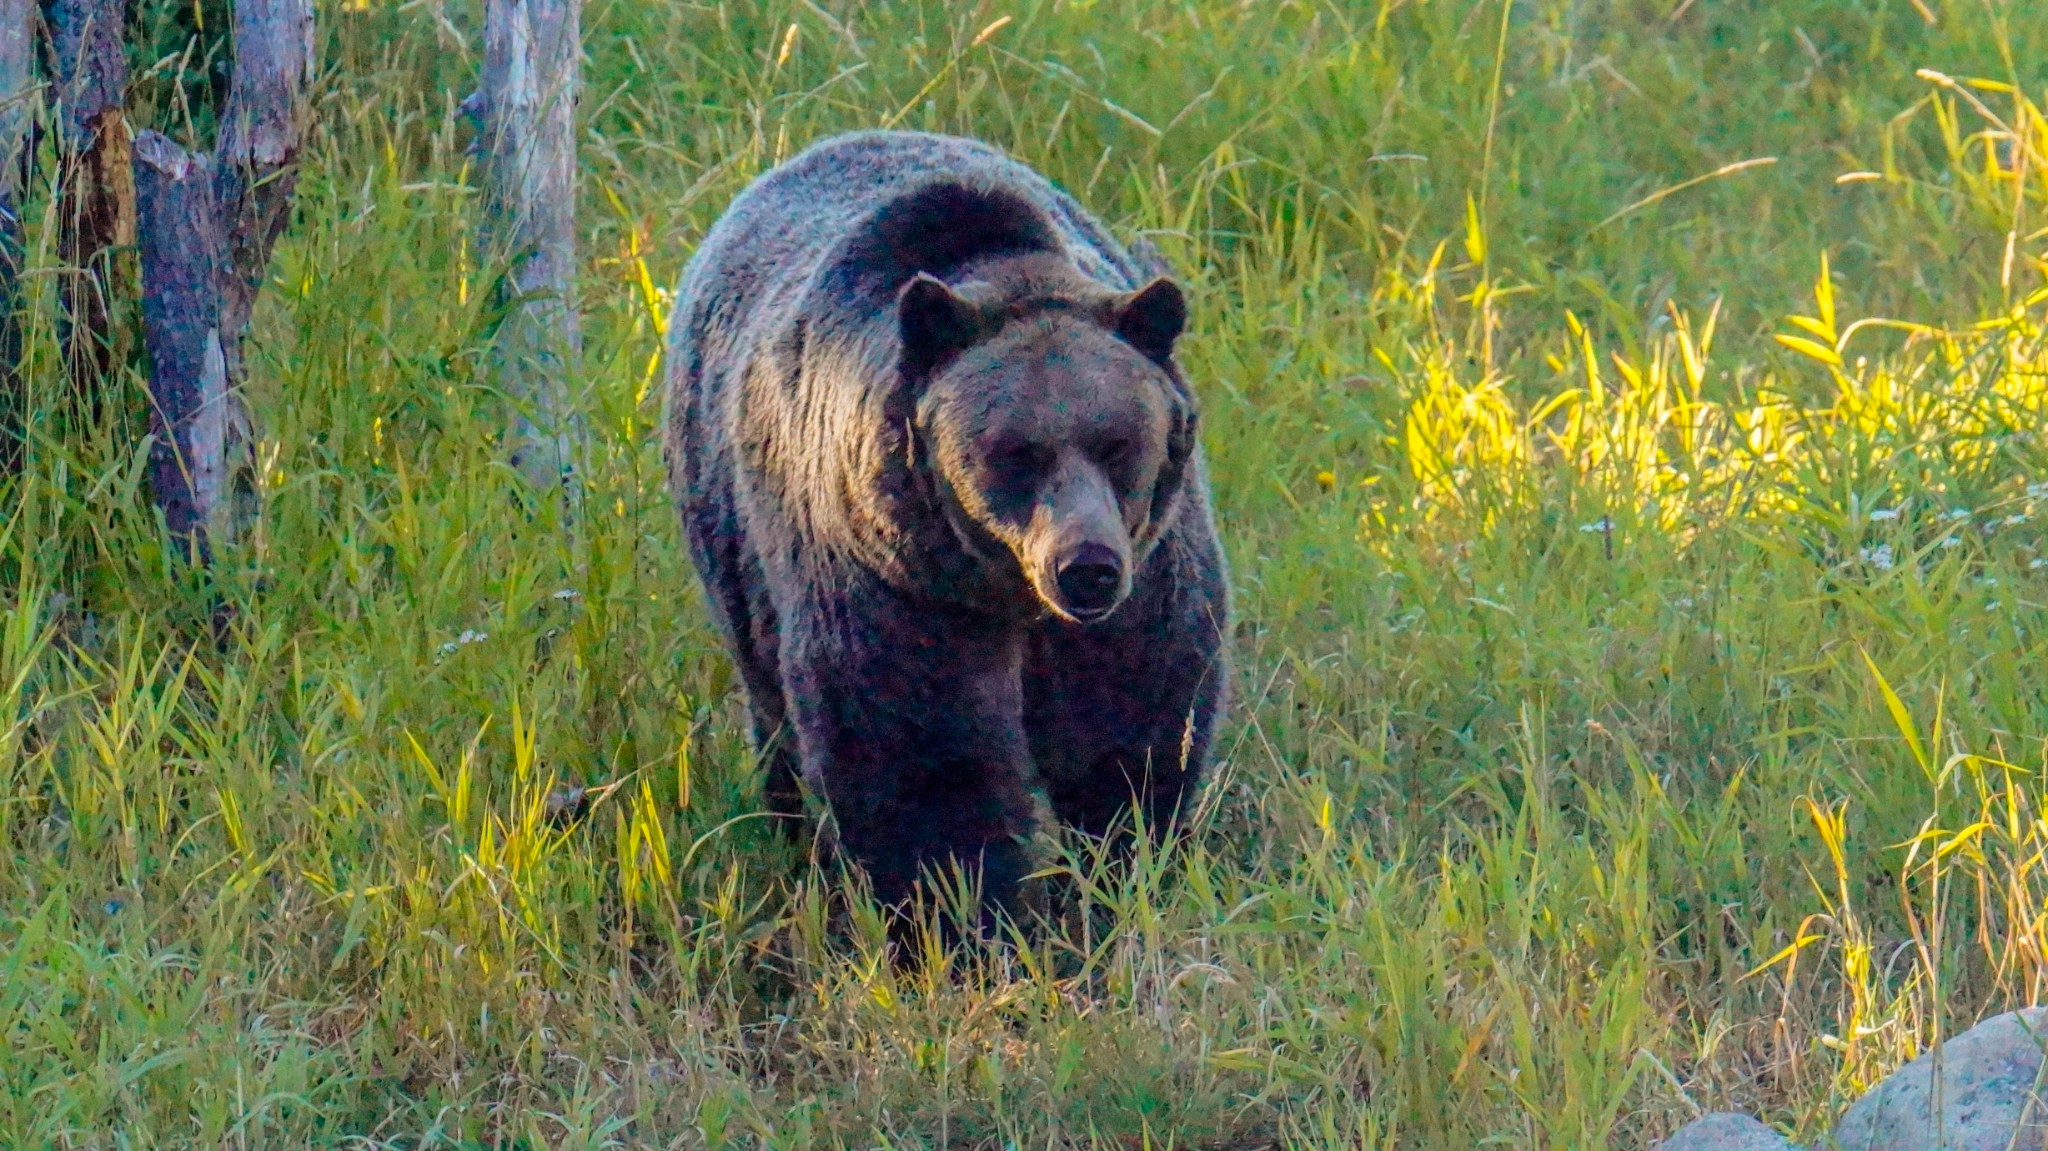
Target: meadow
[[1626, 420]]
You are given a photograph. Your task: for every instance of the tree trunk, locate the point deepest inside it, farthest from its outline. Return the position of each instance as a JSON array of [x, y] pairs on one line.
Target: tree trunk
[[17, 98], [207, 229], [256, 158], [184, 264], [96, 188], [526, 106]]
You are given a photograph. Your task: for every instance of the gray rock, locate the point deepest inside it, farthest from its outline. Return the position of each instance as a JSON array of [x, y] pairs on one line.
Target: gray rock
[[1724, 1131], [1991, 1096]]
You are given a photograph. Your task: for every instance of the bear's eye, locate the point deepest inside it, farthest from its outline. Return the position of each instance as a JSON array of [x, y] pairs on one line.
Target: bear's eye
[[1022, 458], [1115, 452]]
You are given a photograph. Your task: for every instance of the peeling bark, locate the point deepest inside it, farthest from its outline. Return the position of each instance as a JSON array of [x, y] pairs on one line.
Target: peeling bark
[[96, 210], [256, 158], [207, 226], [184, 261], [526, 107]]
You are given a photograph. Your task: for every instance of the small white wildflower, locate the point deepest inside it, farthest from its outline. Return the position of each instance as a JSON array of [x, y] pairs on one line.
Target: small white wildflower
[[1953, 514], [2035, 565], [1992, 606], [1603, 524], [1883, 514], [468, 636], [2037, 491], [1879, 557], [2017, 518], [568, 593], [1682, 603], [1951, 541]]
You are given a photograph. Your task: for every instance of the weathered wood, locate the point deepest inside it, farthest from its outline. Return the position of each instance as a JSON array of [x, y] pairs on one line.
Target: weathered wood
[[207, 226], [526, 106], [184, 257], [96, 185], [256, 156], [17, 97]]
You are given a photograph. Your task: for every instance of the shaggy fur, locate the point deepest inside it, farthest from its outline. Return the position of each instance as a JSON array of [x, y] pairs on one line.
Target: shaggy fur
[[924, 420]]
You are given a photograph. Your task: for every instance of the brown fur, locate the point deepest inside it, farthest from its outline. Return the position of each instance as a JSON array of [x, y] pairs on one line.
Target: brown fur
[[940, 476]]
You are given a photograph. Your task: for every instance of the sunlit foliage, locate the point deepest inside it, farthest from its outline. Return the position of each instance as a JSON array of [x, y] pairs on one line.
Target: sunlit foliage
[[1627, 424]]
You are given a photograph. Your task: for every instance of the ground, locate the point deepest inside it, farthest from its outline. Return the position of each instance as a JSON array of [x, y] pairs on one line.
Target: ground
[[1639, 697]]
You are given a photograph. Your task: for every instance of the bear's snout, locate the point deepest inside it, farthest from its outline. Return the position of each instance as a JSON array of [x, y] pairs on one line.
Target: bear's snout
[[1078, 548], [1091, 582]]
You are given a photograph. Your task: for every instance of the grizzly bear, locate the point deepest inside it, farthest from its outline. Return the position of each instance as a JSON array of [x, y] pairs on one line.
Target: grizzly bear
[[938, 471]]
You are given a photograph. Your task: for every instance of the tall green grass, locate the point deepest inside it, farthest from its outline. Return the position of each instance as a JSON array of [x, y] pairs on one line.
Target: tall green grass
[[1640, 706]]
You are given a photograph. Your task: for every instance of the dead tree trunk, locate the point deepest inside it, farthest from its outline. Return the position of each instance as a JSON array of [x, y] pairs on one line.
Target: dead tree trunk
[[183, 270], [207, 228], [96, 187], [256, 159], [526, 108], [17, 97]]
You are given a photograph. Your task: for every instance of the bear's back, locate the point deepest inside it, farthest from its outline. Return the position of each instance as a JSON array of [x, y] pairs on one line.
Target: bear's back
[[832, 234]]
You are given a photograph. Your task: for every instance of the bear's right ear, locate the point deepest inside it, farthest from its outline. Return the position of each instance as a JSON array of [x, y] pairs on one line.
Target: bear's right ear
[[936, 322]]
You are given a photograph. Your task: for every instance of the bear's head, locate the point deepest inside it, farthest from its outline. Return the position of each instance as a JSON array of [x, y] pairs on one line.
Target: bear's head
[[1055, 421]]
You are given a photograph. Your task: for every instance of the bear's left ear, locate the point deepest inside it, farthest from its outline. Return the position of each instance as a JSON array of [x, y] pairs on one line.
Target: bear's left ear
[[936, 323], [1152, 318]]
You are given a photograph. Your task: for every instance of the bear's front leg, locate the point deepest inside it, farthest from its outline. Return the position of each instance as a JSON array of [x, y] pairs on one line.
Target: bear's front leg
[[1122, 711], [909, 720]]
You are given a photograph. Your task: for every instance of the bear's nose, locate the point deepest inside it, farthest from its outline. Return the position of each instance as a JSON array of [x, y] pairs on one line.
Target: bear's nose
[[1091, 582]]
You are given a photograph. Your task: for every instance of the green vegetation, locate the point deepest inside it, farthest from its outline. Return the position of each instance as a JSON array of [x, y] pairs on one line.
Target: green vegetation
[[1637, 712]]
